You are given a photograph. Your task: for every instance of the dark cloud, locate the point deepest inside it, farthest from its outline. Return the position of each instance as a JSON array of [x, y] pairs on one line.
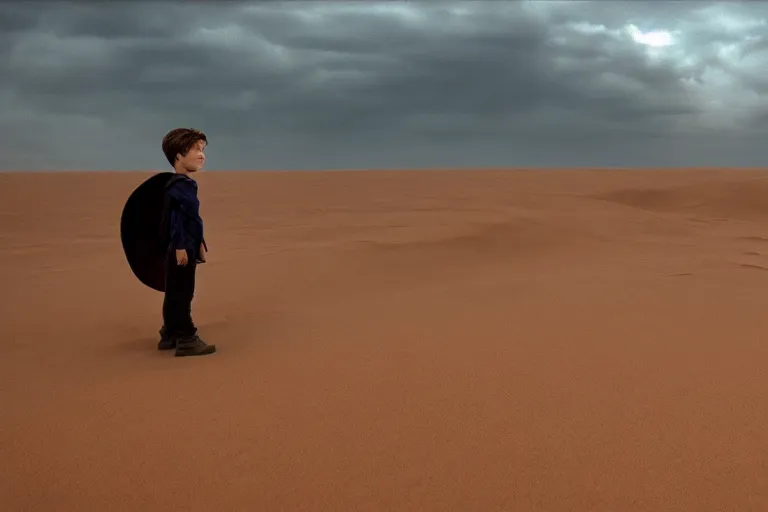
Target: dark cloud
[[384, 84]]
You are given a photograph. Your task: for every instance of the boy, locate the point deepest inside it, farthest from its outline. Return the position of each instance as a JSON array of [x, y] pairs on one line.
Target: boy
[[184, 149]]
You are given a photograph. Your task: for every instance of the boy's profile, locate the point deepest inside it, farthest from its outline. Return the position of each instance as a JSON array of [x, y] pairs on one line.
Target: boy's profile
[[184, 148]]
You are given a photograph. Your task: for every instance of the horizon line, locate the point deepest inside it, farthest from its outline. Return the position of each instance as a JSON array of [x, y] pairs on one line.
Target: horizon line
[[396, 169]]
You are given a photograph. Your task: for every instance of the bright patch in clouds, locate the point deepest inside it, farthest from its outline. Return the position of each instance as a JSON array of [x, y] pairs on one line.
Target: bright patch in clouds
[[657, 38]]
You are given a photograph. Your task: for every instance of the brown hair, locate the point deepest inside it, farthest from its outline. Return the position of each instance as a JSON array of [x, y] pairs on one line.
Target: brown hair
[[180, 140]]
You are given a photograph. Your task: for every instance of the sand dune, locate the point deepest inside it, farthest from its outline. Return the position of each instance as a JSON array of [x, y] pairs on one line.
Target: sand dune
[[443, 340], [744, 199]]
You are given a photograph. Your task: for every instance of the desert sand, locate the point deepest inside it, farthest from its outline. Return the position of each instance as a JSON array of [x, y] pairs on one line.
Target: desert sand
[[471, 340]]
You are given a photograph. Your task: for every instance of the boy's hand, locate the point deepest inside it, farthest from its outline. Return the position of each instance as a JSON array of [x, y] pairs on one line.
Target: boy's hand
[[202, 253], [181, 257]]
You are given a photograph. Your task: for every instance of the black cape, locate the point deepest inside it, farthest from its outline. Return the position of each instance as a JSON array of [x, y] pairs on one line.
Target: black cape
[[141, 232]]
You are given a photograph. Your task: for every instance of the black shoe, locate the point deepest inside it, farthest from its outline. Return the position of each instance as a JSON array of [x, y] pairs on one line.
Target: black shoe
[[193, 346], [166, 342]]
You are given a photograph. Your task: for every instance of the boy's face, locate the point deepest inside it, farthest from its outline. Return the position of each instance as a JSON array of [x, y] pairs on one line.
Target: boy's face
[[194, 160]]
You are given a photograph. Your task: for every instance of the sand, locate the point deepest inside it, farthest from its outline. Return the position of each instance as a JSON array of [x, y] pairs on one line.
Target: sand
[[480, 340]]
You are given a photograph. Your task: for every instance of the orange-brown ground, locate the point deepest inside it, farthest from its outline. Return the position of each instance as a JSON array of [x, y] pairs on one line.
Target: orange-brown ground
[[521, 341]]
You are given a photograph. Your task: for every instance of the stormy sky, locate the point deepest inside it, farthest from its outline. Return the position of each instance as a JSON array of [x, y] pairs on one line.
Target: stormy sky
[[319, 85]]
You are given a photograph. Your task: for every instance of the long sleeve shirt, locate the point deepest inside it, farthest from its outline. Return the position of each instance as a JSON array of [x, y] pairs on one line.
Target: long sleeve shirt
[[185, 221]]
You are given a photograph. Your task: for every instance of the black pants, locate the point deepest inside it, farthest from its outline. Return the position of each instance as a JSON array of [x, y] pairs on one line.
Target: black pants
[[179, 291]]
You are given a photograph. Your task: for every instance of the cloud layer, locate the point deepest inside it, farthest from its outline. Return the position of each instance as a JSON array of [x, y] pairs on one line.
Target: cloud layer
[[296, 85]]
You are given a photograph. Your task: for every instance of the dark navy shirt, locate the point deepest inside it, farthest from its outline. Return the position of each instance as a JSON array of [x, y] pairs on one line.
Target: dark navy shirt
[[185, 221]]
